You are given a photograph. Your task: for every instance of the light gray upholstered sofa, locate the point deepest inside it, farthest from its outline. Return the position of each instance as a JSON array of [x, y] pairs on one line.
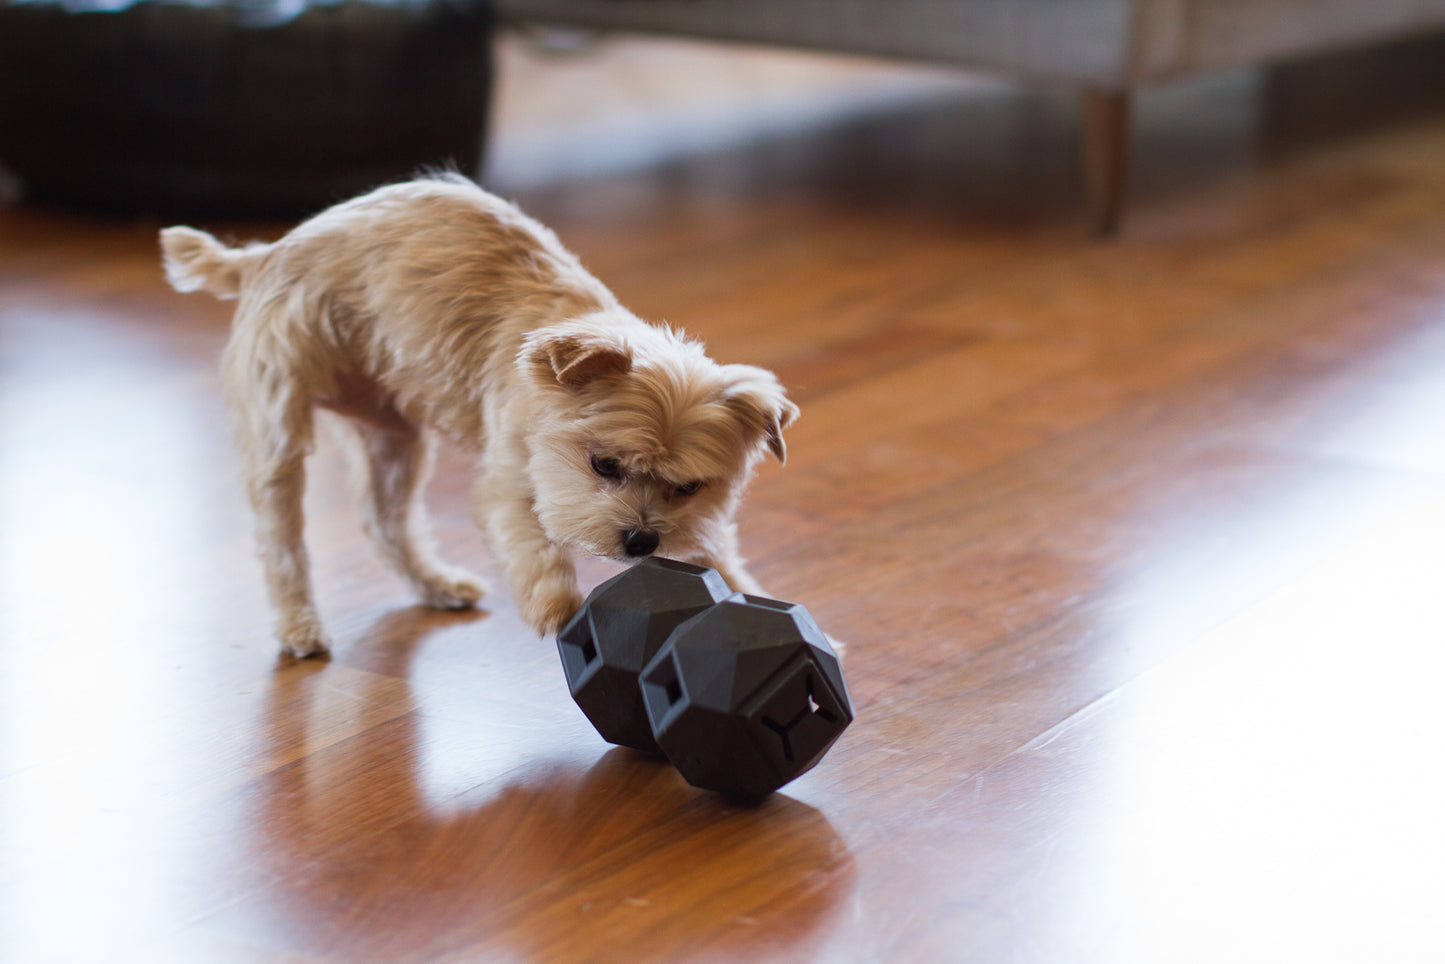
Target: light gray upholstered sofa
[[1108, 48]]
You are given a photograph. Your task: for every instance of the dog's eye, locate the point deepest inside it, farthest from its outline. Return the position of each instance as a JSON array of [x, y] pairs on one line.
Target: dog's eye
[[687, 489], [607, 468]]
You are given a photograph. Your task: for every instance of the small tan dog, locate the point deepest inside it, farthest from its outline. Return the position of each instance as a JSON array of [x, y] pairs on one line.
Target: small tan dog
[[432, 308]]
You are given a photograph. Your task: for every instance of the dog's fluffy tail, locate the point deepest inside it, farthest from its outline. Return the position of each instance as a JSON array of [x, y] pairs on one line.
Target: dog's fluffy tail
[[196, 261]]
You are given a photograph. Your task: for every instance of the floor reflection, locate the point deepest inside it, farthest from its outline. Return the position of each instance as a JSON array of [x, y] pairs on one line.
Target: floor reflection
[[1276, 790], [1280, 792], [550, 846]]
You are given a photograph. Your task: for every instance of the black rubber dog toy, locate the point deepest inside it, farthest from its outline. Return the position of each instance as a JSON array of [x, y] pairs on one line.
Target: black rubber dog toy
[[746, 696], [618, 630], [741, 693]]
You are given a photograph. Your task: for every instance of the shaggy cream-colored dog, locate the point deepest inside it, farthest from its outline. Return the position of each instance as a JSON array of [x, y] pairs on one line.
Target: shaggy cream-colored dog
[[432, 308]]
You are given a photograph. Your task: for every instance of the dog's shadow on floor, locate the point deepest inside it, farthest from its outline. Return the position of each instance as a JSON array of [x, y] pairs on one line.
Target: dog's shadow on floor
[[390, 644], [543, 857]]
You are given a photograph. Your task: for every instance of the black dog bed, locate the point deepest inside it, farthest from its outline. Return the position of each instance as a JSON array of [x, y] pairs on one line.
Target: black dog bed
[[237, 107]]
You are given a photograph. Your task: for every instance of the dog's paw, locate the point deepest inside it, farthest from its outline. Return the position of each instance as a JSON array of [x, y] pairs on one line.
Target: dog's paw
[[548, 609], [301, 636], [458, 590]]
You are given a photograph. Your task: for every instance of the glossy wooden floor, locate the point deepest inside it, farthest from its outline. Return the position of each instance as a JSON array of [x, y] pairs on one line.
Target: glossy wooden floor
[[1137, 545]]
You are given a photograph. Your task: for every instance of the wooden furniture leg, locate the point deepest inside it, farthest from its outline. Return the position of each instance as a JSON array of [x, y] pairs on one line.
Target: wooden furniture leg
[[1106, 156]]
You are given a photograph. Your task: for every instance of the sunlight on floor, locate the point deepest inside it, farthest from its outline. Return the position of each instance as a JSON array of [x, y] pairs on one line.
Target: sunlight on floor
[[1278, 784], [99, 532], [1281, 783]]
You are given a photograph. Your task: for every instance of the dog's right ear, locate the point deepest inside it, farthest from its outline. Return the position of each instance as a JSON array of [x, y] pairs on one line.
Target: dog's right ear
[[757, 398], [574, 358]]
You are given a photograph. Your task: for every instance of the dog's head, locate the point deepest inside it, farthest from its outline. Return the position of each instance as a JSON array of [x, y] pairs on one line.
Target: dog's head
[[642, 443]]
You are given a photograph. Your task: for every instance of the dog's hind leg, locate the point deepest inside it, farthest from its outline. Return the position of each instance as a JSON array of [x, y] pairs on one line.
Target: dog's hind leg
[[276, 479], [395, 462], [274, 433]]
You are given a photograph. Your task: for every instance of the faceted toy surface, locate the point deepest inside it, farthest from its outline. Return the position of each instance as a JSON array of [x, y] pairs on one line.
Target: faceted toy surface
[[746, 696], [621, 626]]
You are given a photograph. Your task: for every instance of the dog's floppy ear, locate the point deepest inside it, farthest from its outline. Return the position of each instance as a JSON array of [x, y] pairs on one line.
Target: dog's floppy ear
[[756, 397], [574, 357]]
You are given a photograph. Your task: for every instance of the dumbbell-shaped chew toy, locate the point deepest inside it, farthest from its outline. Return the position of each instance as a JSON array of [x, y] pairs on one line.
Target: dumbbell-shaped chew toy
[[746, 695], [618, 630], [742, 695]]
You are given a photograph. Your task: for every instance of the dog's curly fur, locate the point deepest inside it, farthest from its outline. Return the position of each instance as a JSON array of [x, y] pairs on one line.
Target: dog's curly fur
[[433, 309]]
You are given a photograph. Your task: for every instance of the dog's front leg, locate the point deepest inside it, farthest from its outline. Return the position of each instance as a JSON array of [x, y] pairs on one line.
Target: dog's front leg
[[719, 550], [721, 553], [736, 575], [539, 573]]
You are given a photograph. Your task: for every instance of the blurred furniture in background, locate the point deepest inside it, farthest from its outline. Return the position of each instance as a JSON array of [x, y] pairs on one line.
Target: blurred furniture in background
[[279, 107], [237, 107], [1109, 48]]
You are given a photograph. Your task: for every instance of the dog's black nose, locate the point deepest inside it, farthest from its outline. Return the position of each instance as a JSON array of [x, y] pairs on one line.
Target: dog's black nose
[[640, 542]]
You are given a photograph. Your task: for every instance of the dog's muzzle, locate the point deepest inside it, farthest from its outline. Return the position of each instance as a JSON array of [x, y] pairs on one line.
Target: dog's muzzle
[[639, 542]]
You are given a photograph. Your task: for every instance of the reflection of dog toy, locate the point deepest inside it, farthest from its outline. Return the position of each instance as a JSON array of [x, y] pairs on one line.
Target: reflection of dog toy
[[741, 693]]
